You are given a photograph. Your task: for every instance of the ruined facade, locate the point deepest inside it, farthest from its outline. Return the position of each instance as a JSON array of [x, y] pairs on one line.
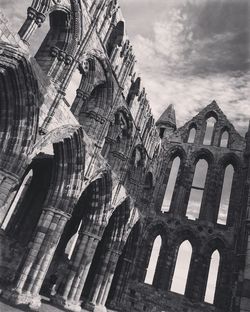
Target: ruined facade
[[84, 184]]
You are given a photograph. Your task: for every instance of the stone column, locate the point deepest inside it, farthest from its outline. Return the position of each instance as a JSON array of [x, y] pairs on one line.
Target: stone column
[[245, 299], [33, 21], [38, 259], [102, 280], [69, 298], [197, 277], [120, 286], [8, 182]]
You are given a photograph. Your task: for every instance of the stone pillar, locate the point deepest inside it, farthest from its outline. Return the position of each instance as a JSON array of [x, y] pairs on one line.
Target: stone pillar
[[197, 277], [38, 259], [183, 189], [69, 298], [102, 281], [33, 21], [121, 285], [8, 182]]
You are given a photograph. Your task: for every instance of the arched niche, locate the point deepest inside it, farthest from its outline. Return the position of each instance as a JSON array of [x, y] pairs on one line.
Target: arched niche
[[54, 46], [197, 189], [224, 140], [153, 260], [106, 256], [23, 188], [191, 135], [27, 206], [116, 37], [209, 133], [181, 270], [225, 194], [171, 184], [212, 277], [123, 271]]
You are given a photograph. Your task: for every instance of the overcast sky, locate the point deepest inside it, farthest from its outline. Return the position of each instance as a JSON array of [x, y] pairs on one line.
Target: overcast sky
[[191, 52]]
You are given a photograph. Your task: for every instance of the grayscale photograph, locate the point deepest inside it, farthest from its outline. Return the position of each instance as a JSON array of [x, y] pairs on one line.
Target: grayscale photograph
[[125, 155]]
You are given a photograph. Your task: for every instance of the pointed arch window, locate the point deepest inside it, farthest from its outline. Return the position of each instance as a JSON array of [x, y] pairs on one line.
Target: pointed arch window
[[224, 139], [208, 138], [59, 36], [17, 199], [212, 277], [171, 184], [182, 265], [197, 189], [115, 38], [191, 135], [153, 260], [225, 195]]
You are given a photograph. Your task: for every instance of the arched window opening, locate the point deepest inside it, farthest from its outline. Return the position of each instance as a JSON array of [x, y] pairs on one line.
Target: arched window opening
[[224, 139], [115, 38], [70, 92], [153, 260], [122, 122], [171, 184], [191, 136], [37, 39], [182, 265], [56, 41], [72, 243], [225, 195], [208, 138], [17, 199], [197, 190], [212, 277]]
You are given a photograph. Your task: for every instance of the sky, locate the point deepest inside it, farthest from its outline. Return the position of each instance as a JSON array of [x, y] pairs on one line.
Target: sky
[[189, 53], [192, 52]]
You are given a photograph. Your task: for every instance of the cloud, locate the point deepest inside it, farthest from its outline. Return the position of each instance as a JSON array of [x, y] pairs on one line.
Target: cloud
[[192, 58]]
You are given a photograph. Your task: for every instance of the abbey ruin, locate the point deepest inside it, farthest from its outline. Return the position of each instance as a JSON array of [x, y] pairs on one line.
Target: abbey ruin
[[89, 189]]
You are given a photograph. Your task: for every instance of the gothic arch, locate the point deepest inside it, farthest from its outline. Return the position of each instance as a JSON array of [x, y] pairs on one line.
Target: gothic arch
[[153, 231], [65, 186], [169, 157], [224, 142], [19, 112], [108, 252], [202, 153], [116, 38], [38, 12], [93, 74], [233, 210], [191, 134], [186, 233], [211, 119]]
